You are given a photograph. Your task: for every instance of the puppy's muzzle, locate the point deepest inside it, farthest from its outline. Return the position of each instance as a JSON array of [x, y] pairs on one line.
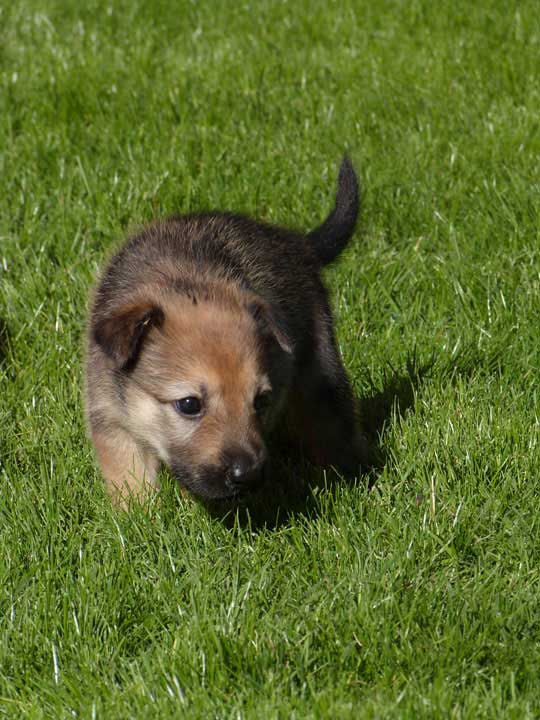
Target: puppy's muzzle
[[244, 470]]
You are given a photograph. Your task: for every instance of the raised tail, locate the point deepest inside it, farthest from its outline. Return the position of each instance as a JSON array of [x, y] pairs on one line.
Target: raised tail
[[331, 238]]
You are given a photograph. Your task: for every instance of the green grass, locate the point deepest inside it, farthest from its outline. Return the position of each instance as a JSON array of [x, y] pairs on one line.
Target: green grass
[[416, 599]]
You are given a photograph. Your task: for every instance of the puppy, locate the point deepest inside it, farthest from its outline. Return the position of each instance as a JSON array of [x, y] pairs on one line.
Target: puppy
[[208, 332]]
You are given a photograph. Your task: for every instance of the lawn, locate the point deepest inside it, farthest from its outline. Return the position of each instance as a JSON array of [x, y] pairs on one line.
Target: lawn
[[416, 598]]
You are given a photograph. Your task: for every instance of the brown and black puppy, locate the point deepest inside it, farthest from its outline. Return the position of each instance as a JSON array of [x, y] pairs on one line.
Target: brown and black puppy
[[206, 333]]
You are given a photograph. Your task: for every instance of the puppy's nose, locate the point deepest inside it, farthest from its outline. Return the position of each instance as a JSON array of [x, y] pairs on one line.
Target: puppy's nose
[[245, 470], [241, 467]]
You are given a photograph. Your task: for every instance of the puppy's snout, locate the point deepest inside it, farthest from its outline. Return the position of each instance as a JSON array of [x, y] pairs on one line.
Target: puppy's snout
[[244, 469]]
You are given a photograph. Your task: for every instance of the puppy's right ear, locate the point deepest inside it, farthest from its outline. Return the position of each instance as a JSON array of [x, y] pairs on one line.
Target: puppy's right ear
[[121, 334]]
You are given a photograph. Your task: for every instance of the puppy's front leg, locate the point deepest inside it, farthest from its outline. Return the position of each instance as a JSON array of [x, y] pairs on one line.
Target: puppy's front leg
[[129, 472], [322, 414], [322, 421]]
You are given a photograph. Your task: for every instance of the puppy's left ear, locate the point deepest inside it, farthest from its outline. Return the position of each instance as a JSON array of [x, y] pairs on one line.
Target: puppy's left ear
[[269, 324], [121, 334]]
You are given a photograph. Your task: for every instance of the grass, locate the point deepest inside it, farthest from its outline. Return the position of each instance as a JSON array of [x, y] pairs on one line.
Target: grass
[[416, 599]]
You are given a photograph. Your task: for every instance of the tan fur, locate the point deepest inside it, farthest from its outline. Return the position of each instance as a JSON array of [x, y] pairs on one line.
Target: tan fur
[[128, 472]]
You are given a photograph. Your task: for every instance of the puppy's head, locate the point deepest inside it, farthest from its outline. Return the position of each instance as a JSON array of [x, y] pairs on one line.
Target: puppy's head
[[202, 380]]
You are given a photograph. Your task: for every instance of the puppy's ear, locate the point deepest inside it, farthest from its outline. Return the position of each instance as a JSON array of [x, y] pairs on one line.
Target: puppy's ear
[[269, 324], [121, 334]]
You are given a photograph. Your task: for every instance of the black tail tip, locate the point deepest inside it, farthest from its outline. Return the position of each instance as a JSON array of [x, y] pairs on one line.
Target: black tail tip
[[347, 173], [348, 192], [331, 238]]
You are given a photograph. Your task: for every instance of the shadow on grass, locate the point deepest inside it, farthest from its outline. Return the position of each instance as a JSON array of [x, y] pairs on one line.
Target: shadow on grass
[[391, 401]]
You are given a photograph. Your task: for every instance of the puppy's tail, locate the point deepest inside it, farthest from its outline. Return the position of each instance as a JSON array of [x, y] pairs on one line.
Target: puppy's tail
[[331, 238]]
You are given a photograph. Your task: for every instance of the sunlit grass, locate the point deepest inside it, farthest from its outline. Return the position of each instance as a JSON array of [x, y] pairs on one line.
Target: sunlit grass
[[417, 598]]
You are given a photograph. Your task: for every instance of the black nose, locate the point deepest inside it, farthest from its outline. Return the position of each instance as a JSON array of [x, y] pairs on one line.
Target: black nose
[[244, 470]]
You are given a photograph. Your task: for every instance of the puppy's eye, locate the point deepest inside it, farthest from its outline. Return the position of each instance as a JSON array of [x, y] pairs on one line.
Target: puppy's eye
[[262, 402], [188, 406]]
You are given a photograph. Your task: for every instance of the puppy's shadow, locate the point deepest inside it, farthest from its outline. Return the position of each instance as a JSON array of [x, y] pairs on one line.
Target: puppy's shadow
[[391, 400], [293, 483]]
